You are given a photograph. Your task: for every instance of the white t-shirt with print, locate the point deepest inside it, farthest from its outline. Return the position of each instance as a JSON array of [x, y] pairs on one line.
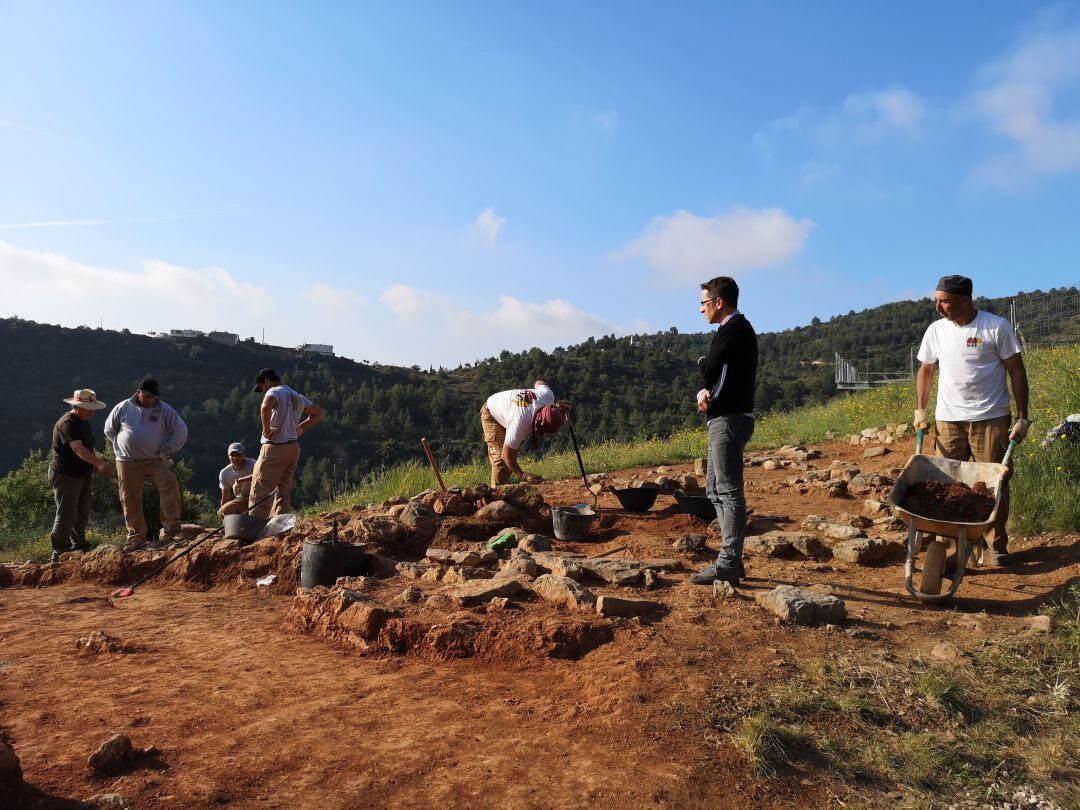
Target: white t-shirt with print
[[515, 409], [228, 475], [972, 382], [287, 414]]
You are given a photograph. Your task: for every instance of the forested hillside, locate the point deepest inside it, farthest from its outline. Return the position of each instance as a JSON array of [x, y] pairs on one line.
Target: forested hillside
[[622, 388]]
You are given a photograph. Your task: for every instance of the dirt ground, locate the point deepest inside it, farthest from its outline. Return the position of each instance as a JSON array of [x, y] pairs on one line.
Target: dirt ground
[[248, 712]]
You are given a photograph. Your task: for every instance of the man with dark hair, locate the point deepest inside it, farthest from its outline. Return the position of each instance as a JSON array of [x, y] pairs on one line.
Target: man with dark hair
[[729, 374], [975, 351], [285, 415], [146, 433], [71, 469]]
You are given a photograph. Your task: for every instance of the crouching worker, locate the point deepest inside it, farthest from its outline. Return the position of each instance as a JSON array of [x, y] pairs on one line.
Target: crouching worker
[[235, 481], [508, 417]]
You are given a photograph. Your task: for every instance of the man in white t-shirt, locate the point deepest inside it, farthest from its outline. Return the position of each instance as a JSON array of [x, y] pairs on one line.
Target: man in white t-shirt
[[235, 481], [975, 352], [508, 417], [285, 415]]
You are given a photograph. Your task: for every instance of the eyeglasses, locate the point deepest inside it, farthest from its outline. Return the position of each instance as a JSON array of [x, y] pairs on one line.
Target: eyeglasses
[[710, 300]]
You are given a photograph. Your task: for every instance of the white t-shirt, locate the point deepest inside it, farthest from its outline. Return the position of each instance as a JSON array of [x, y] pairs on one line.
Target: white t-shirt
[[514, 410], [972, 378], [227, 478], [287, 414]]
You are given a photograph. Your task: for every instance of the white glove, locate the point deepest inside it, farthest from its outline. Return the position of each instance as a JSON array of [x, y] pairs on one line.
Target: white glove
[[1020, 430], [920, 421], [703, 400]]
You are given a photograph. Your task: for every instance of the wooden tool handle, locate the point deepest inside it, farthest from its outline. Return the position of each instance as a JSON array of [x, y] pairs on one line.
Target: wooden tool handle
[[434, 464]]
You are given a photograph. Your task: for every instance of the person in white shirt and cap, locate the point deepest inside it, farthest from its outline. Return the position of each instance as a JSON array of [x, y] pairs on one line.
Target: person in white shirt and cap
[[71, 471], [235, 481], [976, 353]]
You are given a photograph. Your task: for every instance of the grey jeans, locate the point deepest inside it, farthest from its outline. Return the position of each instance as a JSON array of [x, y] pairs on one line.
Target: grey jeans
[[72, 496], [728, 436]]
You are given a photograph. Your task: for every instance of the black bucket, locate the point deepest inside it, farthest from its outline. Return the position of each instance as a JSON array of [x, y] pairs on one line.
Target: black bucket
[[323, 562], [697, 505], [572, 522], [636, 500], [244, 527]]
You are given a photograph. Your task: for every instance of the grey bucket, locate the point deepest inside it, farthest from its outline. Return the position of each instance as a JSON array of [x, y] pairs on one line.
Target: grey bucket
[[572, 522], [323, 562], [244, 527]]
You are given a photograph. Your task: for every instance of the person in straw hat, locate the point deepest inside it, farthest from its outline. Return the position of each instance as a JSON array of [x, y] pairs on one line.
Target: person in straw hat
[[72, 466]]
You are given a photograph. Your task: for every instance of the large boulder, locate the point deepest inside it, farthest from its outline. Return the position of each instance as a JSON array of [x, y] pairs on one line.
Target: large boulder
[[866, 550], [111, 754], [498, 511], [523, 496], [624, 608], [418, 519], [802, 606]]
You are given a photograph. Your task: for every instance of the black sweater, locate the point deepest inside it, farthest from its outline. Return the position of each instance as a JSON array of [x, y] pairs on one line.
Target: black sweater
[[733, 356]]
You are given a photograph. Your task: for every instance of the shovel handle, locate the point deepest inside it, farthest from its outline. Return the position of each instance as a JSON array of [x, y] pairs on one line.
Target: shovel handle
[[434, 464], [918, 440]]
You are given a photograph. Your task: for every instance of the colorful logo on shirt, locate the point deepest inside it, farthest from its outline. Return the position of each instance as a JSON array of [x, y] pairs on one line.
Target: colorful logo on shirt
[[974, 342], [523, 399]]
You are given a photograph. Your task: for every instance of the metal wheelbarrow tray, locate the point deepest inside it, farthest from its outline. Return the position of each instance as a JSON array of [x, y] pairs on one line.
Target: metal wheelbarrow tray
[[921, 468]]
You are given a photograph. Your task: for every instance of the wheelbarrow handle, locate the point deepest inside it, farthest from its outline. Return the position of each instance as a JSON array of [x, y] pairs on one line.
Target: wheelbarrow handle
[[1008, 452], [918, 440]]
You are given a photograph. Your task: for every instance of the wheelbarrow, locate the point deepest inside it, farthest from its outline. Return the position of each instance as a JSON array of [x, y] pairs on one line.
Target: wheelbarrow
[[943, 534]]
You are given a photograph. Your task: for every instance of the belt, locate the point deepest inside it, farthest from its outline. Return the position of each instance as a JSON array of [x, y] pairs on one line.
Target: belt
[[290, 441]]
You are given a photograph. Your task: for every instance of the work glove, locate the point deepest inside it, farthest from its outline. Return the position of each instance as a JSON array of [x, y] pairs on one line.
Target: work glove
[[165, 457], [920, 421], [703, 400], [1020, 430]]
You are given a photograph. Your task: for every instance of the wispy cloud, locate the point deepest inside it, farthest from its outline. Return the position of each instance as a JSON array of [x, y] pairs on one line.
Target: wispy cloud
[[684, 247], [488, 225], [1019, 97], [813, 174], [403, 300], [69, 223], [861, 119], [330, 300], [33, 130]]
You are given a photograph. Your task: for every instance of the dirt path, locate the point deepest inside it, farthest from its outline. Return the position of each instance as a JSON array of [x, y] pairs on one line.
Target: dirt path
[[247, 713]]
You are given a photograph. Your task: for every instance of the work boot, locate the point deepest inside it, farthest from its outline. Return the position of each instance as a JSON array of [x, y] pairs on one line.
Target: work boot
[[134, 545], [998, 559], [706, 576], [55, 558]]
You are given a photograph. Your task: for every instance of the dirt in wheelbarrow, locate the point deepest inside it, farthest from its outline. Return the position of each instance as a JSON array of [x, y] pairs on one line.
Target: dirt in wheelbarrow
[[955, 502]]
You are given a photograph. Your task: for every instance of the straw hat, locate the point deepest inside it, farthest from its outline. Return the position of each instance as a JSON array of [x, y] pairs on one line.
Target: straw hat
[[86, 399]]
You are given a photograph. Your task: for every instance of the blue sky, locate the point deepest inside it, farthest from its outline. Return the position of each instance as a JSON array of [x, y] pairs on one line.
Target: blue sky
[[432, 183]]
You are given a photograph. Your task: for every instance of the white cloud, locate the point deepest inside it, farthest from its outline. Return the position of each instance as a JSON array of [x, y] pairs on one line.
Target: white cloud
[[862, 119], [329, 299], [685, 247], [404, 301], [1019, 97], [487, 226]]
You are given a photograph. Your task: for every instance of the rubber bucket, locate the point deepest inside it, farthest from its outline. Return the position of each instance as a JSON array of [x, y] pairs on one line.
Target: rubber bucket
[[636, 500], [697, 505], [244, 527], [572, 522], [323, 562]]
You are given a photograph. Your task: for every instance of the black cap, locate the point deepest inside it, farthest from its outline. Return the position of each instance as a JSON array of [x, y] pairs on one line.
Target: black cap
[[264, 375], [957, 285], [149, 385]]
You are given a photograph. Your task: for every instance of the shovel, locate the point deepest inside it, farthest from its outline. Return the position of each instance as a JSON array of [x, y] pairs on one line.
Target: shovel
[[581, 464], [121, 593]]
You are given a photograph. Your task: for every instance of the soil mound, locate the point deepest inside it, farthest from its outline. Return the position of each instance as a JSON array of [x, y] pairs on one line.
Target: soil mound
[[955, 502]]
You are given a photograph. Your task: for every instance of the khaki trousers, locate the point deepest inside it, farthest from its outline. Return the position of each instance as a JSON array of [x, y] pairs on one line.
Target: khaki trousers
[[233, 507], [275, 469], [985, 440], [131, 475], [494, 436]]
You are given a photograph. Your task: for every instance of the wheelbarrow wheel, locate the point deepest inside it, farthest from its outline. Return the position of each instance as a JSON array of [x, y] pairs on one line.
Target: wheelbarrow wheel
[[933, 566]]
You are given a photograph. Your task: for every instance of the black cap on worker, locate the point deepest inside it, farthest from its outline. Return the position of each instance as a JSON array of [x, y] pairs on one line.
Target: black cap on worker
[[957, 285], [264, 375], [149, 385]]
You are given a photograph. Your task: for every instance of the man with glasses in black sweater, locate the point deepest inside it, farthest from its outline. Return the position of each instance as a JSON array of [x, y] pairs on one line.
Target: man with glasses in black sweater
[[728, 374]]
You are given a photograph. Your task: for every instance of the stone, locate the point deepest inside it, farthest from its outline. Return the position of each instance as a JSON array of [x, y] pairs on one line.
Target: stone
[[865, 551], [869, 433], [379, 530], [689, 484], [519, 565], [497, 604], [480, 591], [396, 510], [854, 440], [534, 542], [858, 521], [902, 430], [1040, 624], [464, 573], [947, 653], [500, 511], [701, 466], [888, 440], [770, 464], [841, 532], [803, 606], [813, 521], [568, 567], [111, 754], [837, 489], [666, 483], [453, 504], [109, 801], [616, 570], [650, 579], [97, 642], [397, 500], [875, 508], [409, 570], [433, 573], [418, 519], [624, 608], [722, 589], [411, 595], [808, 546], [363, 617], [874, 452], [380, 565], [564, 591], [469, 558], [440, 555], [690, 543], [769, 546], [521, 496]]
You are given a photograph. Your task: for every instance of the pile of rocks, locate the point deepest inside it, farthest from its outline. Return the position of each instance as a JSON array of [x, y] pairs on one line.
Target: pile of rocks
[[664, 479], [890, 434]]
